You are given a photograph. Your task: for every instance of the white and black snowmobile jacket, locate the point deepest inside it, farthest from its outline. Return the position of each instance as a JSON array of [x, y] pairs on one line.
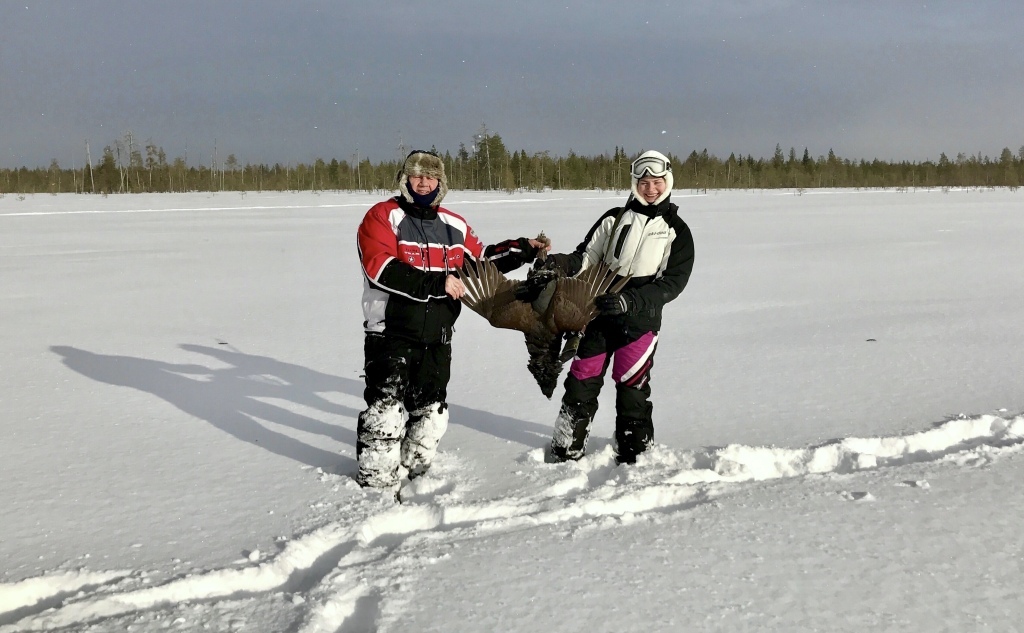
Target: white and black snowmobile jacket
[[651, 243]]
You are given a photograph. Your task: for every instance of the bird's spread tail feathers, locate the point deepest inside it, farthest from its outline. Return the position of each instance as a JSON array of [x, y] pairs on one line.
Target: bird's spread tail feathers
[[544, 307]]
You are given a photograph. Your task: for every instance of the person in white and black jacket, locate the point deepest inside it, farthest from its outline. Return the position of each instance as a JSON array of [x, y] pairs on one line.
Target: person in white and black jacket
[[411, 248], [648, 240]]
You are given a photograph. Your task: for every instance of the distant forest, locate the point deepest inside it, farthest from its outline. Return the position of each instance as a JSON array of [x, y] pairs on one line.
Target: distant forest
[[128, 167]]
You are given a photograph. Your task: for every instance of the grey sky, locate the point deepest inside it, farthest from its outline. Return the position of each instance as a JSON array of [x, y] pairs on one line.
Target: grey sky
[[293, 81]]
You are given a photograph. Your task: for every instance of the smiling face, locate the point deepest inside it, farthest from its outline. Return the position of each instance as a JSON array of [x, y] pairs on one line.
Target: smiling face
[[650, 188], [422, 185]]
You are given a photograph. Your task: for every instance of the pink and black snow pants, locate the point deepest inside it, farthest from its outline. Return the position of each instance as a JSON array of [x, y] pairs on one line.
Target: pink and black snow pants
[[630, 353]]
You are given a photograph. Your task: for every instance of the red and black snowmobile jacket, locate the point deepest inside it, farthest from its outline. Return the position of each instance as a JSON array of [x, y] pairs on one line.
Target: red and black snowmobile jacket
[[407, 252]]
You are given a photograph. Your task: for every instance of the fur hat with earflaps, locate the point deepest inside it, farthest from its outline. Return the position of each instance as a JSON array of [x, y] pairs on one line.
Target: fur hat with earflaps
[[423, 163]]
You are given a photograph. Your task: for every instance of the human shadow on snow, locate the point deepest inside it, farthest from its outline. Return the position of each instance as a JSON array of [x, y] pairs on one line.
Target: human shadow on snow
[[232, 399], [503, 427]]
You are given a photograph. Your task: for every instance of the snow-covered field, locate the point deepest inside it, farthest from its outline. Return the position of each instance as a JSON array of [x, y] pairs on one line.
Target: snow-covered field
[[838, 411]]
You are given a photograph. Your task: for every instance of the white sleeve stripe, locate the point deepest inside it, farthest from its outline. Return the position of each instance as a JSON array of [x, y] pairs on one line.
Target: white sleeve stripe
[[380, 270], [505, 253], [376, 283]]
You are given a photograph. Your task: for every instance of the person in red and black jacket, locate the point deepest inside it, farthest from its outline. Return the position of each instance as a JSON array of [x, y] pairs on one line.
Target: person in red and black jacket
[[411, 248]]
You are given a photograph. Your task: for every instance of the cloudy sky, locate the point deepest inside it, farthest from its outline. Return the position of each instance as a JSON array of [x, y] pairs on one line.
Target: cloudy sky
[[276, 81]]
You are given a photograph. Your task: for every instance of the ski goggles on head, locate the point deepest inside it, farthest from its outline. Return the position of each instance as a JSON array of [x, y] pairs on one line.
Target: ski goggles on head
[[650, 166]]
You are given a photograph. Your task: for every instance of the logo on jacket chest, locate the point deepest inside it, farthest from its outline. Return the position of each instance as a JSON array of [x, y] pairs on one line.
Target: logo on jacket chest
[[431, 257]]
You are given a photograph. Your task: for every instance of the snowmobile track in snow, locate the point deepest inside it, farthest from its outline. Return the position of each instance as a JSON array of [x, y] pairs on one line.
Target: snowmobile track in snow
[[339, 576]]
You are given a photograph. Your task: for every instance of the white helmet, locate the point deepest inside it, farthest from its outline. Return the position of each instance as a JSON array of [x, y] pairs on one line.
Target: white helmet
[[651, 163]]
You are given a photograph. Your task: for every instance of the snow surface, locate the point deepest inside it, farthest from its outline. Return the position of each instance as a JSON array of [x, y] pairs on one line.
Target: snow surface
[[838, 411]]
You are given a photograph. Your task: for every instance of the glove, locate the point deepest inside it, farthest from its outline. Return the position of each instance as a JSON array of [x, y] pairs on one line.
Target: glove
[[529, 250], [548, 263], [614, 304], [534, 284], [553, 261]]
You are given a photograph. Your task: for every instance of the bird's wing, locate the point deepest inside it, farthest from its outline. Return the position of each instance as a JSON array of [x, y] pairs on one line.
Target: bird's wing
[[491, 295], [573, 304]]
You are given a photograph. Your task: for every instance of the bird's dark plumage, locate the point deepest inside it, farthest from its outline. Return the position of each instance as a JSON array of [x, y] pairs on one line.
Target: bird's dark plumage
[[546, 307]]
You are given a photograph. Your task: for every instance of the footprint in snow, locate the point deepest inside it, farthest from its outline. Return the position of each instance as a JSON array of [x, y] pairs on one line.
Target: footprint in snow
[[915, 483], [857, 496]]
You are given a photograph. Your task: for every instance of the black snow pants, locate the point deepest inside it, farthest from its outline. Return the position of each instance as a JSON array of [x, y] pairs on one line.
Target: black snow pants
[[406, 413]]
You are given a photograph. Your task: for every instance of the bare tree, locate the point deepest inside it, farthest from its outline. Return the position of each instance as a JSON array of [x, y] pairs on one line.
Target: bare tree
[[88, 158], [484, 137], [152, 161], [134, 160]]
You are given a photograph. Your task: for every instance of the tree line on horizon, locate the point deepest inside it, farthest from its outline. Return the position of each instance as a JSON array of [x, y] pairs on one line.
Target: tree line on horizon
[[126, 167]]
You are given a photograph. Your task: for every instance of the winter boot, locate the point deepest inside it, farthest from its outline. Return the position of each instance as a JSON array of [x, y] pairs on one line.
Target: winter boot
[[572, 430], [423, 433], [632, 437], [377, 445]]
